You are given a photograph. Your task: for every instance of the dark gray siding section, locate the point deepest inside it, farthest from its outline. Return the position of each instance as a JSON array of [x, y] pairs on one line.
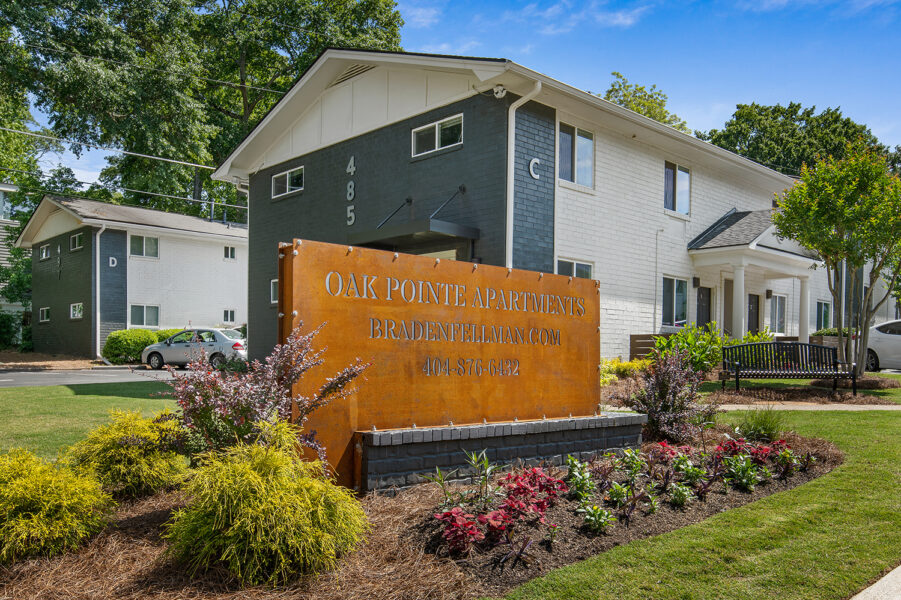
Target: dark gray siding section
[[533, 207], [385, 176], [57, 282], [113, 283]]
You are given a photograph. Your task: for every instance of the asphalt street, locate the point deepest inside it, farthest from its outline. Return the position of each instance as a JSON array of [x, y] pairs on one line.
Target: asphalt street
[[73, 377]]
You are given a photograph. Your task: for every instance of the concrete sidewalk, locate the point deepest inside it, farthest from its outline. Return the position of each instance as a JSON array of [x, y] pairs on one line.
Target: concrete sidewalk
[[811, 406], [887, 588]]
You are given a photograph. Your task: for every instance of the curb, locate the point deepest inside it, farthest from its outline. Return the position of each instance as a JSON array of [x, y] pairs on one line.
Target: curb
[[118, 368], [887, 588]]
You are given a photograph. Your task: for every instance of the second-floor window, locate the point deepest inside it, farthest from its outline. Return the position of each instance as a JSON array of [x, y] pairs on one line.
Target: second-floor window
[[777, 314], [574, 269], [76, 242], [76, 310], [675, 302], [44, 252], [230, 252], [676, 188], [440, 134], [576, 155], [145, 246], [287, 182]]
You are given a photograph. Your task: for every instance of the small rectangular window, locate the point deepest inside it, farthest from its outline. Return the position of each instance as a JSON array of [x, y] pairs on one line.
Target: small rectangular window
[[435, 136], [230, 252], [145, 316], [76, 311], [576, 163], [676, 188], [675, 302], [44, 252], [824, 314], [145, 246], [287, 182], [44, 314], [777, 314], [573, 268], [76, 241], [228, 316], [273, 291]]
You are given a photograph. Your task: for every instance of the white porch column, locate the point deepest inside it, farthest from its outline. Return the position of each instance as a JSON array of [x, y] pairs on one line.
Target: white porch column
[[739, 302], [804, 311]]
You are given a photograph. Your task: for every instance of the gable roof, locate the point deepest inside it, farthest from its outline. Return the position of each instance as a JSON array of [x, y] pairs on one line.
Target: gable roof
[[93, 212], [735, 228]]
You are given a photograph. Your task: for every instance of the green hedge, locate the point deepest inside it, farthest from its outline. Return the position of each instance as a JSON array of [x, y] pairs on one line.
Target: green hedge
[[126, 345], [846, 331], [164, 334]]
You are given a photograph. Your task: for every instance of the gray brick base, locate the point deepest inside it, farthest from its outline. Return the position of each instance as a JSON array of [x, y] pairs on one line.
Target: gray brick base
[[398, 457]]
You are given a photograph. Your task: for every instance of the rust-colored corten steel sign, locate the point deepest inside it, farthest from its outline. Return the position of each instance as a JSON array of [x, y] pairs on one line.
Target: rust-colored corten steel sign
[[448, 341]]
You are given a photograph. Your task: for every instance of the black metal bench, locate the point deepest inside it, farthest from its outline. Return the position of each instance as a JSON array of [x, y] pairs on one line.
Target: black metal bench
[[784, 360]]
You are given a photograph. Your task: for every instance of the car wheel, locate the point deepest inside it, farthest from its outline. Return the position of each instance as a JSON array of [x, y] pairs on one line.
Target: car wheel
[[155, 361], [872, 361], [217, 360]]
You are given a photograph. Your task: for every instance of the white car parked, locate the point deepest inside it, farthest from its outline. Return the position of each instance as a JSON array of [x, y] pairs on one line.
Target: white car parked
[[884, 346]]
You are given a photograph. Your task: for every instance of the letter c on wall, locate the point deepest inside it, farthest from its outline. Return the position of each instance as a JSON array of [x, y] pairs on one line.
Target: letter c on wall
[[532, 164]]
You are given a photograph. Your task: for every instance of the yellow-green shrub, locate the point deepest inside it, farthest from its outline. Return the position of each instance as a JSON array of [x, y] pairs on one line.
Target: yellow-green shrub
[[614, 369], [46, 509], [132, 456], [264, 514]]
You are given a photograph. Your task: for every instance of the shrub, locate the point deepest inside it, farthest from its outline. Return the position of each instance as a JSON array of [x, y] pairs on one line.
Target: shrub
[[460, 529], [761, 424], [164, 334], [742, 472], [45, 510], [10, 324], [763, 335], [606, 374], [27, 343], [669, 397], [611, 370], [703, 346], [125, 345], [680, 495], [132, 456], [263, 513], [833, 331], [597, 519]]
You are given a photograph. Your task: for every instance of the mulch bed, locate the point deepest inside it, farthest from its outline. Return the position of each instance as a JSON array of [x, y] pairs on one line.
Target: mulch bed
[[777, 396], [869, 382], [401, 559]]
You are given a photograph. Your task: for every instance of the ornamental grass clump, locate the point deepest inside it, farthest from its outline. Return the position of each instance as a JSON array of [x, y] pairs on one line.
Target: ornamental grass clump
[[45, 509], [263, 513], [132, 456]]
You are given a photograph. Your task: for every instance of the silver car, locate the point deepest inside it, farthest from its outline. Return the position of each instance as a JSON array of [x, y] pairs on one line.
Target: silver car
[[218, 345], [884, 346]]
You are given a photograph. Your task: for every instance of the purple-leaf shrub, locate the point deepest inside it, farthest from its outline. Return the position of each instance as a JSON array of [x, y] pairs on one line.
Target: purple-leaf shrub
[[221, 407]]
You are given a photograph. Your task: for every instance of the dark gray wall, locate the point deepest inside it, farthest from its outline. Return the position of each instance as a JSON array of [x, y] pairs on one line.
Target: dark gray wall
[[113, 283], [57, 282], [533, 206], [385, 176]]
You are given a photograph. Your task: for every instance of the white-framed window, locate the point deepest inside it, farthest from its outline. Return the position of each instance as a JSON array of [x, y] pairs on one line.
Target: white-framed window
[[44, 314], [145, 315], [676, 188], [573, 268], [230, 253], [145, 246], [76, 241], [675, 302], [273, 291], [435, 136], [576, 162], [76, 310], [824, 314], [44, 252], [777, 313], [287, 182], [228, 315]]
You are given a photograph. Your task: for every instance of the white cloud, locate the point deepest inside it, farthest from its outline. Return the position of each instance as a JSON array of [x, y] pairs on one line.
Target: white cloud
[[564, 16], [457, 48], [621, 18], [420, 16]]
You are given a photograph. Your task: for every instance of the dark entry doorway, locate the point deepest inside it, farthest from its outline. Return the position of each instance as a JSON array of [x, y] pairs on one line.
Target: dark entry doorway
[[703, 315], [753, 313]]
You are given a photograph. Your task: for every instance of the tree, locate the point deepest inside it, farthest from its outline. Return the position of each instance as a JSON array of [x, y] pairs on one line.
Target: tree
[[786, 137], [848, 210], [184, 79], [648, 102]]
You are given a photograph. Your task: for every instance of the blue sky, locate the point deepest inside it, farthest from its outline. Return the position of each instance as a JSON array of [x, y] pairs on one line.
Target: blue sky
[[706, 56]]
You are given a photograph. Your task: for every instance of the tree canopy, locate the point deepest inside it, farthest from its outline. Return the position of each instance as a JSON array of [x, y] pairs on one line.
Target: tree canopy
[[650, 102]]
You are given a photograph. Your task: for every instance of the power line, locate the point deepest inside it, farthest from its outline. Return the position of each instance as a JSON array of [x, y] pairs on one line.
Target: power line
[[59, 139]]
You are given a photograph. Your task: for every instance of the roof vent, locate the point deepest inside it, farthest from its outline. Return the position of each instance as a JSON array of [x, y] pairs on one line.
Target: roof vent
[[351, 72]]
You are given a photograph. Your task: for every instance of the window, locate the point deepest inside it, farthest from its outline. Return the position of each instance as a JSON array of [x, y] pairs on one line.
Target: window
[[145, 246], [76, 311], [44, 314], [228, 316], [287, 182], [6, 208], [574, 269], [438, 135], [824, 314], [273, 291], [147, 316], [777, 314], [576, 155], [676, 188], [890, 328], [675, 302], [230, 252], [44, 251], [76, 242]]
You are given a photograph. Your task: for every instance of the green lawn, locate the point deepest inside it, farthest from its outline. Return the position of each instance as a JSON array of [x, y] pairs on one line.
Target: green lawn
[[826, 539], [46, 419], [711, 386]]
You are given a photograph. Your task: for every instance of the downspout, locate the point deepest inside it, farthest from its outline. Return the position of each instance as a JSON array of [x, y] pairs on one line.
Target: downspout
[[656, 277], [511, 164], [97, 290]]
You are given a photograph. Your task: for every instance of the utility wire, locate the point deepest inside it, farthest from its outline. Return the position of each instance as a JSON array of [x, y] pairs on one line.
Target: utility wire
[[59, 139]]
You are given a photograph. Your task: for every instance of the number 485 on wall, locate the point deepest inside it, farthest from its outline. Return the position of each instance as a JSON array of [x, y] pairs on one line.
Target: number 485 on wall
[[351, 192]]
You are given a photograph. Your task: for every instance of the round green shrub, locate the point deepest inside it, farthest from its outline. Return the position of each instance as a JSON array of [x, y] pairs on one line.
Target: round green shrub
[[132, 456], [164, 334], [264, 514], [125, 345], [44, 509]]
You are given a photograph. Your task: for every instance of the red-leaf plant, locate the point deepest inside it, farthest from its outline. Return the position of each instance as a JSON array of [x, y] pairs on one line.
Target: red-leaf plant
[[460, 530]]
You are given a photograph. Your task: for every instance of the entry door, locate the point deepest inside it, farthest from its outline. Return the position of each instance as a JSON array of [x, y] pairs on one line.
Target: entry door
[[753, 313], [727, 306], [703, 316]]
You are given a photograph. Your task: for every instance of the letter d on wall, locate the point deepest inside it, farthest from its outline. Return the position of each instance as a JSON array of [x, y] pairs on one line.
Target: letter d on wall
[[113, 262]]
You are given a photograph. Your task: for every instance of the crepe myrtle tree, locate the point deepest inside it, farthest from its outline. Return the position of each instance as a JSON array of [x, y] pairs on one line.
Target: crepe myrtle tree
[[848, 211]]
